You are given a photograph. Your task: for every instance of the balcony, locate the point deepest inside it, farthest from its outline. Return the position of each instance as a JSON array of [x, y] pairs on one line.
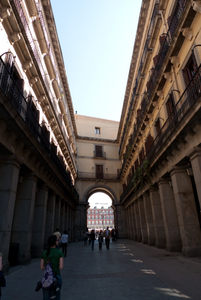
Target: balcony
[[97, 176], [14, 95], [189, 97], [99, 154]]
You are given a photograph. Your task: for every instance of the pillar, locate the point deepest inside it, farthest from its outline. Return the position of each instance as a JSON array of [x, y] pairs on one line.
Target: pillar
[[57, 213], [137, 220], [9, 176], [65, 217], [149, 219], [169, 211], [142, 221], [160, 241], [23, 216], [195, 158], [50, 214], [134, 223], [129, 222], [62, 215], [186, 211], [38, 233]]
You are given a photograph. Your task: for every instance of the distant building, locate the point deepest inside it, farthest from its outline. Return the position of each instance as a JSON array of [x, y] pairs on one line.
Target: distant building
[[100, 218]]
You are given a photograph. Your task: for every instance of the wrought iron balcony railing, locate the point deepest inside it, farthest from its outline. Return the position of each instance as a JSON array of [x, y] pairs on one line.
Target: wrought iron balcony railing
[[92, 175], [165, 44], [99, 154], [38, 58], [11, 90], [189, 97]]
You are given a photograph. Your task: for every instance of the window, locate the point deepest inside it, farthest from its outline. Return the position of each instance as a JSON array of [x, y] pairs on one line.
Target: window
[[170, 105], [89, 222], [97, 130], [96, 217], [92, 222], [96, 211], [96, 222], [98, 151], [190, 69], [89, 217], [99, 171], [158, 127]]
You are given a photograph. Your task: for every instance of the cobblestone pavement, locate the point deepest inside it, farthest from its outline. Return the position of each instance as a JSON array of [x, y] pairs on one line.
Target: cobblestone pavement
[[129, 270]]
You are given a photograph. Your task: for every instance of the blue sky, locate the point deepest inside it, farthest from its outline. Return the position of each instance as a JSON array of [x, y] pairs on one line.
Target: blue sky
[[97, 39]]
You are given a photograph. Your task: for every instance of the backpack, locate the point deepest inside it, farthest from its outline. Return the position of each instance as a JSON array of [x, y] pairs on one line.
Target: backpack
[[48, 276]]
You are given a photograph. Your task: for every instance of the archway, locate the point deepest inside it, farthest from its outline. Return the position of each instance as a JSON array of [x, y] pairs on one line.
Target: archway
[[100, 213]]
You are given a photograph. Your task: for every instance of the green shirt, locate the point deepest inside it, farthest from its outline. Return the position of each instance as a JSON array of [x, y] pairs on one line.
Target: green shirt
[[55, 256]]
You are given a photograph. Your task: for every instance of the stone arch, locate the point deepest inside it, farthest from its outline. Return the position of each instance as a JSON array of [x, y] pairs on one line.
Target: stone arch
[[99, 188]]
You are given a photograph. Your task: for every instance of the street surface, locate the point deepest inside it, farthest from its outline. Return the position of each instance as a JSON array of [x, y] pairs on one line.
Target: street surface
[[128, 270]]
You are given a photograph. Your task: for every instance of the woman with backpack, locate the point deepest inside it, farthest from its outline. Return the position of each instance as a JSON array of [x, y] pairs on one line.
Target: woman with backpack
[[52, 258]]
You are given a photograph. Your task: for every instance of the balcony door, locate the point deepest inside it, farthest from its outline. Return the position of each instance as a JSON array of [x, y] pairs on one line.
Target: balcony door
[[98, 151], [99, 171]]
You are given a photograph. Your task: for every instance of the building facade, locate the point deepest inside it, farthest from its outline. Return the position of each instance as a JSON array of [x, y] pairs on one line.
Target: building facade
[[98, 167], [100, 218], [37, 133], [160, 129]]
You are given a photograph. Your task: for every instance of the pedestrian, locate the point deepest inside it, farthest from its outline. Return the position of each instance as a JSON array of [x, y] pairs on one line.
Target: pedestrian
[[107, 235], [115, 235], [64, 242], [100, 239], [85, 238], [58, 235], [93, 237], [56, 257]]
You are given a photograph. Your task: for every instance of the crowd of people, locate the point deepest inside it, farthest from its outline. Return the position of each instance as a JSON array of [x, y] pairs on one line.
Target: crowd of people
[[90, 237], [54, 257]]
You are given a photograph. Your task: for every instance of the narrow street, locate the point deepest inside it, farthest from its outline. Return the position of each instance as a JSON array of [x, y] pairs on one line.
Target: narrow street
[[128, 270]]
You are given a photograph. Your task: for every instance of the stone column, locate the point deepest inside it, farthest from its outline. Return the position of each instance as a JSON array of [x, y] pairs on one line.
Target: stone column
[[38, 234], [142, 221], [134, 223], [195, 158], [186, 211], [66, 216], [70, 225], [137, 220], [149, 219], [57, 213], [80, 221], [121, 220], [62, 215], [169, 211], [23, 216], [9, 176], [129, 222], [160, 241], [49, 228]]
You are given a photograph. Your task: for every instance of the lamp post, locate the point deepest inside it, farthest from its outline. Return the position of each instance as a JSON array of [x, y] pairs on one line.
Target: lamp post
[[102, 216]]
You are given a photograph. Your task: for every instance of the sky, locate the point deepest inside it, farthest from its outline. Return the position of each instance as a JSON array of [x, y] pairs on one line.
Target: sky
[[97, 39], [100, 199]]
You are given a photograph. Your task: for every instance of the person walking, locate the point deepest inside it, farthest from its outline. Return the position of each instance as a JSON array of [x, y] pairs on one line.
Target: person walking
[[107, 235], [93, 237], [58, 235], [56, 257], [64, 242], [100, 239]]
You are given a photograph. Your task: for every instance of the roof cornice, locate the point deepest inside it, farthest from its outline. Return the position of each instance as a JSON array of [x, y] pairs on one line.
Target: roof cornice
[[136, 48], [59, 57], [86, 138]]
